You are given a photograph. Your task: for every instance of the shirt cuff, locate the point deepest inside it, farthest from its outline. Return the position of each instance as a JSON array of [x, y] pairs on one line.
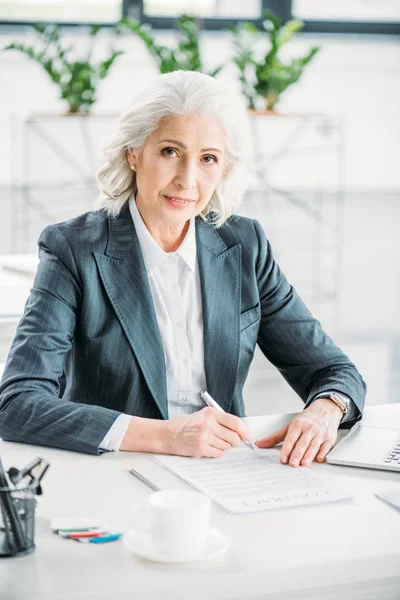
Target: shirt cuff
[[350, 414], [113, 438]]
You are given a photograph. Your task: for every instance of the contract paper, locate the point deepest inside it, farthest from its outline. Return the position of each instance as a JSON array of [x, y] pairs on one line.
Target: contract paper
[[243, 481]]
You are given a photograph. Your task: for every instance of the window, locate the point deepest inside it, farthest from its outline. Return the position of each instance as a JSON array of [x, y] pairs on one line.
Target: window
[[383, 11], [213, 9], [332, 16], [215, 14], [61, 11]]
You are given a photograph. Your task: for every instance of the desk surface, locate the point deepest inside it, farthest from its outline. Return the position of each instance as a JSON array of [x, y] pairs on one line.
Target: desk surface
[[348, 550], [16, 276]]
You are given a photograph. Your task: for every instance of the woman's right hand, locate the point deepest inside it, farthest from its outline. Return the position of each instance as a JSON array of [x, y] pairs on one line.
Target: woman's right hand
[[205, 433]]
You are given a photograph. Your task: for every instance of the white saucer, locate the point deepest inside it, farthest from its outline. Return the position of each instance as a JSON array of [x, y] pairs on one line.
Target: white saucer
[[142, 544]]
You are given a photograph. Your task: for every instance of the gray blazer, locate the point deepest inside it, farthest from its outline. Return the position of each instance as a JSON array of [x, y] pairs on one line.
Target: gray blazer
[[88, 346]]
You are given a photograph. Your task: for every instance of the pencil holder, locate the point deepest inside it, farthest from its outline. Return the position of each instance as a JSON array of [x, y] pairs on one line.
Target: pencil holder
[[17, 520]]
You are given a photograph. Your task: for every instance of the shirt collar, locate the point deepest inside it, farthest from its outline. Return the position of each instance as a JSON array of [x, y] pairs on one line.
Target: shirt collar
[[152, 253]]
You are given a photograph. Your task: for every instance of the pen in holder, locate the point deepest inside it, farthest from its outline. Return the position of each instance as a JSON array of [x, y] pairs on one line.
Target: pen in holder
[[17, 516]]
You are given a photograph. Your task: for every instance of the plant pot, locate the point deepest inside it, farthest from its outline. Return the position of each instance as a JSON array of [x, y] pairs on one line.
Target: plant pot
[[257, 113], [77, 112]]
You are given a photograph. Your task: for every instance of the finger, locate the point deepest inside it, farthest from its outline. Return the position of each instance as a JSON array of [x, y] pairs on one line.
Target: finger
[[299, 450], [324, 449], [228, 436], [273, 438], [234, 423], [311, 451], [213, 452], [217, 442], [289, 443]]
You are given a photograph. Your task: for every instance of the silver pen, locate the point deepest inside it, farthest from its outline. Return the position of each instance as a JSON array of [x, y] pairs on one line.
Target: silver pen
[[211, 402], [142, 478]]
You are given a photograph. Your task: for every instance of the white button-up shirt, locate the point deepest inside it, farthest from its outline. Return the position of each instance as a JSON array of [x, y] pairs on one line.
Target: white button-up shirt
[[175, 287]]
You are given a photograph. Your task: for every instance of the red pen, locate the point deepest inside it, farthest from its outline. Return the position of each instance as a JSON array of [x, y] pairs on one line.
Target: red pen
[[83, 534]]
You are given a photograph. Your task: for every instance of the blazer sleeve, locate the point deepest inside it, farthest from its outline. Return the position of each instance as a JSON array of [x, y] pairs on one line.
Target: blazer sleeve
[[294, 341], [31, 410]]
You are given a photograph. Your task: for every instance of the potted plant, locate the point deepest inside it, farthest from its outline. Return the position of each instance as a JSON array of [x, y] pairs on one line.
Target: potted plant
[[265, 76], [185, 56], [77, 79]]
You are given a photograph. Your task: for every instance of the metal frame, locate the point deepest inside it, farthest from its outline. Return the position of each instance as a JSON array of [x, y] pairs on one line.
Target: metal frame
[[282, 8], [321, 204], [25, 197], [345, 27]]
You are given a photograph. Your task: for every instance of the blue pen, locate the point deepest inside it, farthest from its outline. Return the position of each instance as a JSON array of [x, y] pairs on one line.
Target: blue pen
[[105, 538], [100, 539]]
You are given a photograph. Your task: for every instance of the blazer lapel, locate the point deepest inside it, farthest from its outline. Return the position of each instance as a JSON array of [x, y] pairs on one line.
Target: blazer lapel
[[220, 276], [125, 279]]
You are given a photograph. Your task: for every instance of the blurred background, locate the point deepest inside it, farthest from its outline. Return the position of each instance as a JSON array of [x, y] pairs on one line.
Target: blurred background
[[321, 80]]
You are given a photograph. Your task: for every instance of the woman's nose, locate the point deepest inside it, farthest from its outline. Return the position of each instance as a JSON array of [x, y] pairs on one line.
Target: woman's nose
[[186, 176]]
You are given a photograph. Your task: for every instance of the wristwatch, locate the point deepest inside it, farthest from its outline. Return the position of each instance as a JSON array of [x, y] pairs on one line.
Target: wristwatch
[[340, 401]]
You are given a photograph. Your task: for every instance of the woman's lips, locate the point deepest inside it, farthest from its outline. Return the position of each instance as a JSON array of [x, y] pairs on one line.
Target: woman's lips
[[178, 202]]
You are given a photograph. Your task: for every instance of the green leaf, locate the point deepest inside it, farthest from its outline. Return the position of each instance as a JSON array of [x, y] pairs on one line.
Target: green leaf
[[94, 30], [288, 30], [105, 66], [264, 78], [77, 79], [271, 18], [186, 52], [144, 31], [251, 28], [215, 72]]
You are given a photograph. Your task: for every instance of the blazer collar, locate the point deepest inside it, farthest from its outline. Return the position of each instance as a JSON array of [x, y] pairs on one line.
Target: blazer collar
[[122, 235]]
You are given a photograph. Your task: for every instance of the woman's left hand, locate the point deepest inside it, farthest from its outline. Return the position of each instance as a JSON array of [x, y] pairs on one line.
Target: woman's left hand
[[312, 433]]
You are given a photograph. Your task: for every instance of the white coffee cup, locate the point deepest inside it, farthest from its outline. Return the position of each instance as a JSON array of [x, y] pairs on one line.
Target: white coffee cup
[[178, 521]]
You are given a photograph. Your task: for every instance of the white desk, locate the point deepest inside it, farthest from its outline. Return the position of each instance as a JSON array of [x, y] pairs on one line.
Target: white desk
[[17, 272], [16, 276], [345, 550]]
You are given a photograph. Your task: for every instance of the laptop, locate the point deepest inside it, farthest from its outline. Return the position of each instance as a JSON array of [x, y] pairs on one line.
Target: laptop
[[370, 446]]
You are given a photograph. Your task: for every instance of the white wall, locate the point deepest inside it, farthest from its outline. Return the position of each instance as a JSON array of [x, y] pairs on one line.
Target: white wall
[[354, 76], [358, 77]]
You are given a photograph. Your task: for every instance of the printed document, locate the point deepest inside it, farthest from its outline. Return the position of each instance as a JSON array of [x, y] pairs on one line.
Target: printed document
[[243, 481]]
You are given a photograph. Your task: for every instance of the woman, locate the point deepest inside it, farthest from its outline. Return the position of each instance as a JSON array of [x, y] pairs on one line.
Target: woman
[[163, 293]]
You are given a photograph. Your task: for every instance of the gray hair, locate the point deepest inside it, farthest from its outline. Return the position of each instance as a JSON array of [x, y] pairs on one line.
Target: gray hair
[[179, 93]]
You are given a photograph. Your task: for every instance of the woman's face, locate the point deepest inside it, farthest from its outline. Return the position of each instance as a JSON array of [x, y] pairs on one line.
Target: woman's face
[[178, 168]]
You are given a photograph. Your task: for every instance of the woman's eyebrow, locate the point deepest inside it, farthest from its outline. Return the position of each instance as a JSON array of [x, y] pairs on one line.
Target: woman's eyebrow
[[177, 143]]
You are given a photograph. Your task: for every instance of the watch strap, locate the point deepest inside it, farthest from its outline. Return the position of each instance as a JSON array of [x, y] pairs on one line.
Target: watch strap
[[341, 402]]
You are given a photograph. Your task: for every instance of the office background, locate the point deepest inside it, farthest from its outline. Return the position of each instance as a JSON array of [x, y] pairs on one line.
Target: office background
[[329, 193]]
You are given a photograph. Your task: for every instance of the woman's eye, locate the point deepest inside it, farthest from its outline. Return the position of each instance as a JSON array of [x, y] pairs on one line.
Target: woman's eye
[[210, 159], [168, 152]]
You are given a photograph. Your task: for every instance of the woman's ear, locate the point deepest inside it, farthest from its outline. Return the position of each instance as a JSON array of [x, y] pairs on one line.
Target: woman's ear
[[131, 157]]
